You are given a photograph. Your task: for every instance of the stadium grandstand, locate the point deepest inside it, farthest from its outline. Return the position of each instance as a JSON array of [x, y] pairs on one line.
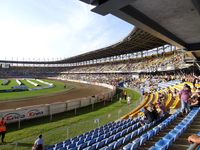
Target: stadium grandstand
[[160, 57]]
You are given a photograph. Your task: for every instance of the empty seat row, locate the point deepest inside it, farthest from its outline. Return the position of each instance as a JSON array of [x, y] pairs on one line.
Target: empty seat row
[[168, 139], [97, 134], [148, 135]]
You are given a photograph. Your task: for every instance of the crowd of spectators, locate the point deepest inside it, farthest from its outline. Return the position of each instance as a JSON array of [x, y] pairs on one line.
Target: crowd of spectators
[[148, 64], [167, 61]]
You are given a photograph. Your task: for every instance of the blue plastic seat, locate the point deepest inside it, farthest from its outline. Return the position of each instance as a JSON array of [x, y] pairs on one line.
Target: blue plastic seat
[[135, 144], [109, 140], [156, 130], [127, 147], [143, 138], [91, 142], [118, 143], [162, 144], [180, 128], [103, 148], [134, 127], [123, 132], [127, 138], [63, 148], [93, 147], [169, 137], [100, 138], [68, 142], [117, 136], [80, 142], [119, 129], [59, 145], [107, 135], [150, 134], [88, 138], [129, 129], [100, 144], [134, 134], [139, 131], [82, 146], [138, 125], [109, 148], [94, 135], [74, 140], [145, 127], [73, 148], [71, 145], [111, 145], [154, 148], [175, 133], [113, 131]]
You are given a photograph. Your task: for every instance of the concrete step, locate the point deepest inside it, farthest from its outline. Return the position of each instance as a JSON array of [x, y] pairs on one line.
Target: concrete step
[[162, 133], [181, 141], [178, 147]]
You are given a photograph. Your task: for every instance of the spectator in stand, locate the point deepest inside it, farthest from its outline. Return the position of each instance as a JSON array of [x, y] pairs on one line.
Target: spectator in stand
[[148, 116], [194, 139], [38, 144], [153, 110], [196, 93], [185, 95], [195, 102], [175, 92], [162, 107]]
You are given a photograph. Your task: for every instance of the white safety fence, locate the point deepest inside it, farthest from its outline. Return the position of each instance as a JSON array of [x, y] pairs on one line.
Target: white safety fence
[[31, 112]]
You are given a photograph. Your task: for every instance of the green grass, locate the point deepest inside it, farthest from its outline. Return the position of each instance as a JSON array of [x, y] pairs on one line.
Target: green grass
[[59, 87], [9, 86], [27, 83], [1, 81], [67, 125]]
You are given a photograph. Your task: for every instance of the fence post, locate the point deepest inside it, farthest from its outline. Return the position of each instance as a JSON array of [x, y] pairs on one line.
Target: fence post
[[19, 123], [51, 115], [92, 106], [67, 132], [16, 145], [75, 111]]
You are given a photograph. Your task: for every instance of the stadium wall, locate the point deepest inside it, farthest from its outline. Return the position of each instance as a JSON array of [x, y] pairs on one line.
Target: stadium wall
[[31, 112]]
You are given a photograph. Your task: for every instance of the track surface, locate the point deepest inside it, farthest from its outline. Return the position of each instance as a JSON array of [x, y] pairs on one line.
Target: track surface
[[79, 90]]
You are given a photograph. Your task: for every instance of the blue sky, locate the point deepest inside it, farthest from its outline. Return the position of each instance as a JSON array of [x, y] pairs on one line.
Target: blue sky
[[54, 29]]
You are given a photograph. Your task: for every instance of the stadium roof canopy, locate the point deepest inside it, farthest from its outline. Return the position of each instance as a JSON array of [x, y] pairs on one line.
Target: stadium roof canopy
[[175, 21], [137, 40]]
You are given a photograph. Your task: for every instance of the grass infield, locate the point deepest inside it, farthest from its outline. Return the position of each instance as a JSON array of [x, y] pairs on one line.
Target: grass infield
[[67, 124], [59, 87]]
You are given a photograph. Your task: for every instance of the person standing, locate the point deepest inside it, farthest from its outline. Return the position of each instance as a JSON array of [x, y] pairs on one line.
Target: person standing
[[185, 95], [3, 129], [125, 94], [39, 143], [128, 100]]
